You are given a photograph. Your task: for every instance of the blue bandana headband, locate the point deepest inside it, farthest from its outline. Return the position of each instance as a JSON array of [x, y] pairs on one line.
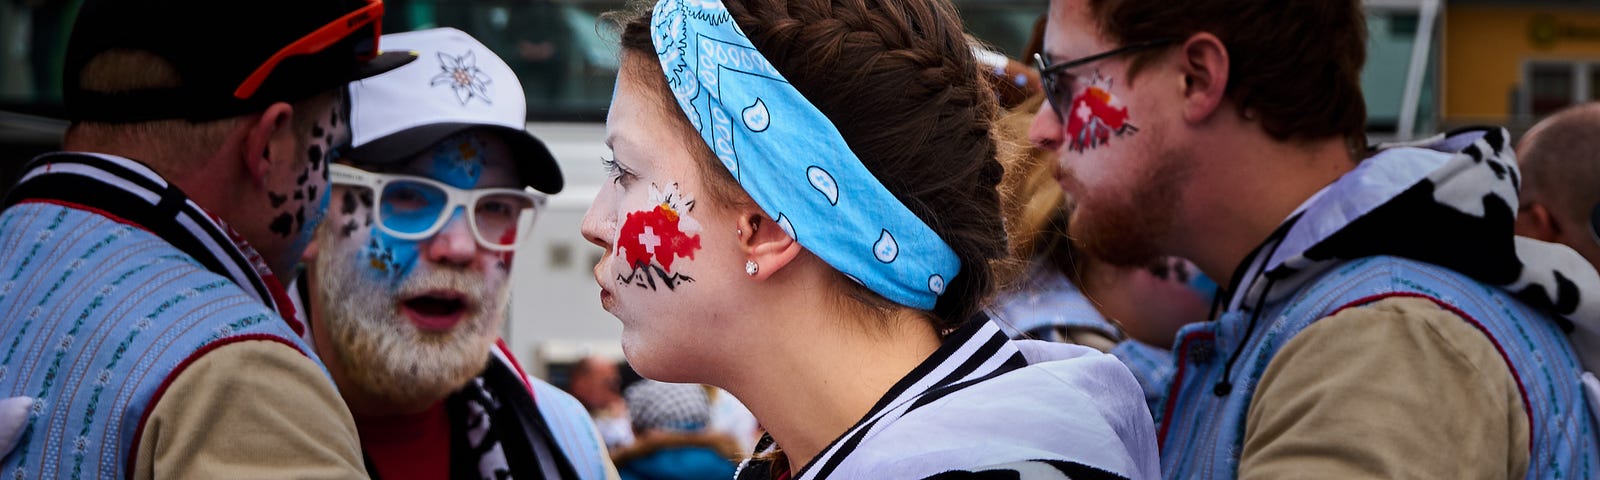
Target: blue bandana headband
[[791, 159]]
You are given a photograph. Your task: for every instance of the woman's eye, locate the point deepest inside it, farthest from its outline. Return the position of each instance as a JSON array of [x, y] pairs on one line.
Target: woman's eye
[[616, 171]]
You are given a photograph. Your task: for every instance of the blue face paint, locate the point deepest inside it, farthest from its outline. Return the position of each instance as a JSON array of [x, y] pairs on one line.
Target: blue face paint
[[458, 160], [388, 258], [313, 219]]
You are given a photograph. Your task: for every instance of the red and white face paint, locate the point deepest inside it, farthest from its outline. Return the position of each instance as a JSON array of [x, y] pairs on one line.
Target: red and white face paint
[[1095, 116], [650, 240]]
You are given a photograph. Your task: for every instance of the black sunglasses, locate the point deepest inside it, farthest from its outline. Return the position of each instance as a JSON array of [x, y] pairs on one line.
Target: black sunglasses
[[1057, 92]]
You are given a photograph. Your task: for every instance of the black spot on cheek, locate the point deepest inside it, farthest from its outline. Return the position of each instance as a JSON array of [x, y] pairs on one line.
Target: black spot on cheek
[[349, 202], [282, 224], [304, 175], [314, 154], [276, 199], [316, 131], [349, 228], [366, 201], [311, 192], [299, 195], [300, 218]]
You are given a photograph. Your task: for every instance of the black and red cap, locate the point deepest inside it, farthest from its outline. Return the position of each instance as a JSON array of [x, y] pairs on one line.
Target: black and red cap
[[232, 57]]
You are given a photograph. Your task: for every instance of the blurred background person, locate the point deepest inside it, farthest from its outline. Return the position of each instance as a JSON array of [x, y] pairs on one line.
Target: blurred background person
[[597, 383], [1052, 290], [1055, 291], [729, 416], [1560, 162], [672, 438]]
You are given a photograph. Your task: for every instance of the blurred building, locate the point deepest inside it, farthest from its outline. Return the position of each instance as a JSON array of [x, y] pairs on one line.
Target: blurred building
[[1511, 62]]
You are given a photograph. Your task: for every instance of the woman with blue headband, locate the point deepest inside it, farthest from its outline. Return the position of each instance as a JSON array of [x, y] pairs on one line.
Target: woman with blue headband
[[803, 212]]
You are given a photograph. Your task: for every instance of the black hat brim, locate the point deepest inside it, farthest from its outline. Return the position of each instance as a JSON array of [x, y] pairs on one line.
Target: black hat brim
[[536, 166]]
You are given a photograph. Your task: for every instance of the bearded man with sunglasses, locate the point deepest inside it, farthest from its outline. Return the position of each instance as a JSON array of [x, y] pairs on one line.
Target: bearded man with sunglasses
[[1380, 320], [146, 333], [408, 279]]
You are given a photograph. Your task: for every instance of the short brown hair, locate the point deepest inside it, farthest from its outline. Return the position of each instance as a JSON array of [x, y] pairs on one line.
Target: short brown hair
[[899, 80], [1559, 163], [1294, 64], [183, 143]]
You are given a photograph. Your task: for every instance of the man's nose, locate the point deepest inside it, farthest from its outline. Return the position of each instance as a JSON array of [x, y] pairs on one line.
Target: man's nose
[[1045, 132], [454, 244]]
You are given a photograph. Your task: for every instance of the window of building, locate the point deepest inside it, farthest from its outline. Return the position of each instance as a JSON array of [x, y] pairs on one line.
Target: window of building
[[1551, 85]]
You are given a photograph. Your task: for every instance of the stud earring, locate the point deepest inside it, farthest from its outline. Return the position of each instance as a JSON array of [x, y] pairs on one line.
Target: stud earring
[[750, 268]]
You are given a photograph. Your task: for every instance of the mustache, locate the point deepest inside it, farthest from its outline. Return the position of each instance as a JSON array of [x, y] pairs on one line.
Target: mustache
[[423, 281]]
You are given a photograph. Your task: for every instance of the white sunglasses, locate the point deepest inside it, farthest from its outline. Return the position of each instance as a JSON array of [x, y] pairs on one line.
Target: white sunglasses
[[409, 207]]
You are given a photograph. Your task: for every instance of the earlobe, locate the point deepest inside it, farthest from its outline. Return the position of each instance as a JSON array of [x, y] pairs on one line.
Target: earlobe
[[1205, 75], [766, 246]]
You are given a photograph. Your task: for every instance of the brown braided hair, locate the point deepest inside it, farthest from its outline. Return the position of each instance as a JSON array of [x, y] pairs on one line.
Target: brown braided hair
[[899, 81]]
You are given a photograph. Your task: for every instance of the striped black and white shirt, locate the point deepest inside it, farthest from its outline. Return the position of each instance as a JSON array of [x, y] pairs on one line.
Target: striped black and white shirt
[[984, 405]]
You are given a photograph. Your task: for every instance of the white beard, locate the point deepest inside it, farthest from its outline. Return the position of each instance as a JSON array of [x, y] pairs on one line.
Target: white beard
[[382, 353]]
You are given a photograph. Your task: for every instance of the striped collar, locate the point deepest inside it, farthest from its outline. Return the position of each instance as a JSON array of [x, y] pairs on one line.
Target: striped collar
[[129, 192], [972, 354]]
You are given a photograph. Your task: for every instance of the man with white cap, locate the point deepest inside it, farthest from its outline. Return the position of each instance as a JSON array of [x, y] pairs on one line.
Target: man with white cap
[[407, 281]]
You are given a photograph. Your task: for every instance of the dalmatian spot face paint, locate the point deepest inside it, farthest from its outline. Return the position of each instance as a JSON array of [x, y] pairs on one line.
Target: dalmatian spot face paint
[[651, 240], [1095, 116], [303, 206]]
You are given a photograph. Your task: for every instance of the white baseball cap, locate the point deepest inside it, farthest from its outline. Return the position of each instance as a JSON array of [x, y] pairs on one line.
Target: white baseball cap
[[456, 84]]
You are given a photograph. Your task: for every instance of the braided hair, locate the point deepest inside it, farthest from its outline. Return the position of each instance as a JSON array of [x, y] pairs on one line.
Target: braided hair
[[899, 81]]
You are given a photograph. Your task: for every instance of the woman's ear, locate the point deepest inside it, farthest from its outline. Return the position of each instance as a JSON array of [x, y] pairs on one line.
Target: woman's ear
[[769, 247]]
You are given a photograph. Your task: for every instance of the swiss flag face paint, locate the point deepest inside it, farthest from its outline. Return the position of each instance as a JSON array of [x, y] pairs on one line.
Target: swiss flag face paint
[[654, 235], [650, 241], [1094, 117]]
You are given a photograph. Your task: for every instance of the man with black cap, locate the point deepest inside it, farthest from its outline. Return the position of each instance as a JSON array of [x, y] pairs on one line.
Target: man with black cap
[[144, 324], [408, 280]]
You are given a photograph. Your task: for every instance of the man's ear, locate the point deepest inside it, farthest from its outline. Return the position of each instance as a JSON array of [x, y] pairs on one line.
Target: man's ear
[[264, 132], [1204, 65], [1534, 221], [765, 243]]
